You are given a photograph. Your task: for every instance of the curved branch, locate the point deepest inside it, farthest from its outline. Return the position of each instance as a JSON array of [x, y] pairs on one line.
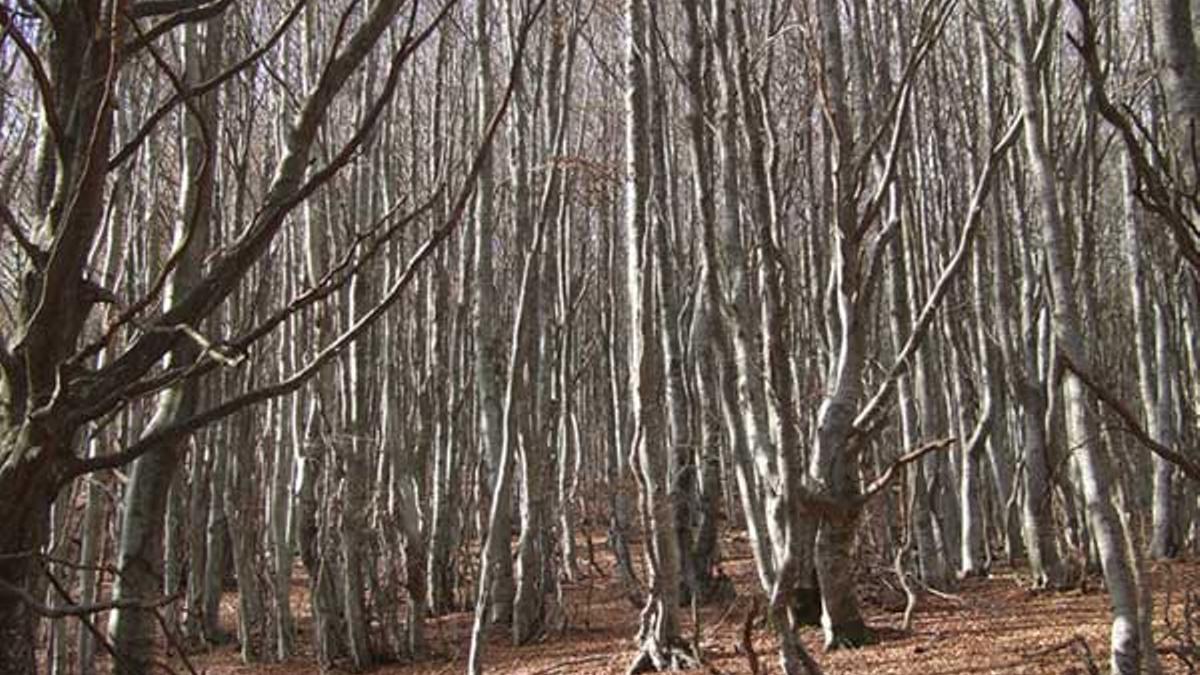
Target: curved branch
[[204, 180], [1155, 196], [47, 612], [36, 255], [287, 189], [336, 278]]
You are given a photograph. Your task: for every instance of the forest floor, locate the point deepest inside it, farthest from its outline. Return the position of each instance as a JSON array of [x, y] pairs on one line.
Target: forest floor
[[987, 625]]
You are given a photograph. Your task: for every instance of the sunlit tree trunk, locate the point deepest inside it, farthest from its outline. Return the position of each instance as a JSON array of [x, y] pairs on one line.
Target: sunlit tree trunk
[[244, 516], [448, 459], [1079, 403], [1176, 46], [1155, 370], [661, 647], [833, 465]]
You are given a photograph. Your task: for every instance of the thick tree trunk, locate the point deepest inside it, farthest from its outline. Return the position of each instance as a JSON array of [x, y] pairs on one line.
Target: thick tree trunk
[[489, 341], [353, 526], [1037, 507], [834, 461], [617, 437], [280, 505], [706, 357], [832, 470], [244, 522], [405, 505], [26, 478]]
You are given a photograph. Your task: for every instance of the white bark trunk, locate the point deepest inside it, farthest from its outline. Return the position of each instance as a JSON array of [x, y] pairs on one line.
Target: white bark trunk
[[1079, 404]]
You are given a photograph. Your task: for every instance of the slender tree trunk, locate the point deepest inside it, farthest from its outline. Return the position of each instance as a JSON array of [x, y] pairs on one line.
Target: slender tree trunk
[[496, 544], [1037, 506], [488, 340], [140, 555], [1177, 51], [1079, 404], [705, 355], [244, 521], [920, 519], [662, 648], [1154, 374]]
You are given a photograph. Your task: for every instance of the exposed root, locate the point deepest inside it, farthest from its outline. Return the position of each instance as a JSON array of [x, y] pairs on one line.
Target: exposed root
[[848, 635], [659, 658]]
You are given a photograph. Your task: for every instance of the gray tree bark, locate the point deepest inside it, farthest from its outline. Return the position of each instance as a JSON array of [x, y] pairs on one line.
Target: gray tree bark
[[1155, 369], [140, 554], [1079, 403], [661, 647]]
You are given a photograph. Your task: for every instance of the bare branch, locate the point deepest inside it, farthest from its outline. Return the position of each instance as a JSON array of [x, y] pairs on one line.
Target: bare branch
[[897, 112], [174, 432], [76, 228], [45, 89], [146, 9], [1186, 464], [73, 610], [864, 421], [204, 181], [159, 114], [900, 462], [287, 190], [36, 255], [230, 353], [1155, 195], [189, 13]]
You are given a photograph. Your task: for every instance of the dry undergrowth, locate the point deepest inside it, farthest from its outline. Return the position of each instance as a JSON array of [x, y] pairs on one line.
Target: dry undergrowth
[[991, 625]]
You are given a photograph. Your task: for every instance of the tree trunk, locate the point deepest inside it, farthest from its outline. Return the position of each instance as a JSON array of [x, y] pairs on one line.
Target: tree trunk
[[140, 555], [1151, 346], [1079, 403], [488, 339], [834, 461], [30, 487], [662, 648], [244, 523], [1176, 47]]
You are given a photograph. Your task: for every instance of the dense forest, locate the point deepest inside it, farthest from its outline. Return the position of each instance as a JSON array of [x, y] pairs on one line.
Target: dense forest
[[423, 308]]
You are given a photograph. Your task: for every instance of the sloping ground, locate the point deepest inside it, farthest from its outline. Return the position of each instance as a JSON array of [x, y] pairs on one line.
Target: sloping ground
[[989, 625]]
